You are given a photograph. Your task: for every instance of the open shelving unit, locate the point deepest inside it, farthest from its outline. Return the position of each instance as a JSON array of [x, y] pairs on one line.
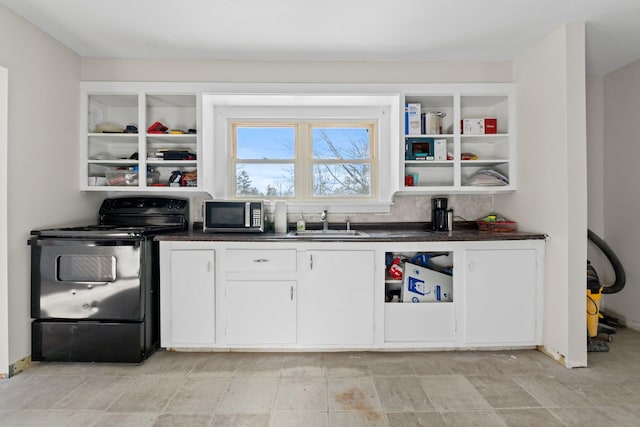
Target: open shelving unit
[[495, 151], [119, 153]]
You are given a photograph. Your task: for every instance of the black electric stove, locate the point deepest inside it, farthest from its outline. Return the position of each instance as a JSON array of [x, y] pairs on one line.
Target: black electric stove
[[95, 288]]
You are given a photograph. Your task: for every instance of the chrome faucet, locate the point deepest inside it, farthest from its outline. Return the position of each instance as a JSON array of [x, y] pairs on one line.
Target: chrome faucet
[[325, 221]]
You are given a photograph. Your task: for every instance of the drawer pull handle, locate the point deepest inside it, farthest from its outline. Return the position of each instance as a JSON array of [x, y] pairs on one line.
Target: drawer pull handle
[[291, 292], [261, 260]]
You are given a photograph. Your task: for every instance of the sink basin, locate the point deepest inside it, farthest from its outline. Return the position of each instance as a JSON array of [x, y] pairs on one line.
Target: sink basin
[[328, 234]]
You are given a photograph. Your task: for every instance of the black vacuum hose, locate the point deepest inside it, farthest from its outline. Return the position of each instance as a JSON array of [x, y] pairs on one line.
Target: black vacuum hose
[[621, 277]]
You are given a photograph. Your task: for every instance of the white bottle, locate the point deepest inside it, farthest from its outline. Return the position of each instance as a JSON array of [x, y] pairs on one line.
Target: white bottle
[[300, 225]]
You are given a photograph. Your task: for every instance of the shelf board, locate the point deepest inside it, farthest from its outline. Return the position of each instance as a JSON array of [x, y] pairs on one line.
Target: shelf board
[[153, 162], [484, 135], [121, 162], [443, 135], [485, 162], [167, 136], [114, 135], [137, 188], [414, 304], [419, 188], [429, 162]]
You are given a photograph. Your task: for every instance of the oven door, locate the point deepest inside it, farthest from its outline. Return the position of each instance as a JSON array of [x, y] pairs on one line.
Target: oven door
[[86, 279]]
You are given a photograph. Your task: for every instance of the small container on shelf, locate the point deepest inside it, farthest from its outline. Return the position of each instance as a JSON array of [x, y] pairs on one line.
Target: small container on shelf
[[496, 223], [122, 177], [129, 177]]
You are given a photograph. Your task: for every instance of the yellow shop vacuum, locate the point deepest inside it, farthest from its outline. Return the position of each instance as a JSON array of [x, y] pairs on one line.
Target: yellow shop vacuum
[[599, 323]]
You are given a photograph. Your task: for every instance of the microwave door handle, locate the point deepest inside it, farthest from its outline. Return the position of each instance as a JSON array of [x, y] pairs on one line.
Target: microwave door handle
[[247, 215]]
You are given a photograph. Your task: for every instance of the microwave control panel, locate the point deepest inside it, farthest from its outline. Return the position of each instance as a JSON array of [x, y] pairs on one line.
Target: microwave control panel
[[256, 218]]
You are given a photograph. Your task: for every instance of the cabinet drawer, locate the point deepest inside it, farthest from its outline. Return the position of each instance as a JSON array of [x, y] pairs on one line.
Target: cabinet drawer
[[260, 260]]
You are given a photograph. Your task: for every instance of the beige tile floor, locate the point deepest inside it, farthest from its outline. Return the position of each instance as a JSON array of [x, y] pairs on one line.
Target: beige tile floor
[[506, 388]]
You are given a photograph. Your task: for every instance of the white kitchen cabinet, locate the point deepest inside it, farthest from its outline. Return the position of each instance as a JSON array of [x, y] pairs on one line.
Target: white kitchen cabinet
[[336, 298], [116, 158], [187, 295], [260, 296], [503, 297], [420, 322], [334, 295], [260, 312], [495, 151]]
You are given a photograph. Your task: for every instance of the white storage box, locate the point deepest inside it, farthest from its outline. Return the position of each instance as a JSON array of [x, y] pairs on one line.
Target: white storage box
[[440, 149], [425, 285], [473, 126], [414, 124]]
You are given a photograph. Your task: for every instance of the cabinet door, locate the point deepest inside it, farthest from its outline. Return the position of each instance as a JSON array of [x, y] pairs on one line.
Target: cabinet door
[[188, 304], [338, 296], [260, 312], [501, 297]]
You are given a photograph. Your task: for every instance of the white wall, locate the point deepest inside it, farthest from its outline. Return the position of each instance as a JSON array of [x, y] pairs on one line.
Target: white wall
[[595, 153], [4, 269], [595, 178], [551, 196], [621, 178], [114, 69], [43, 136]]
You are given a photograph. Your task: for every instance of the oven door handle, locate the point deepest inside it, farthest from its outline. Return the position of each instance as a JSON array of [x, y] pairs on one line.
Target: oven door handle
[[79, 242], [76, 282]]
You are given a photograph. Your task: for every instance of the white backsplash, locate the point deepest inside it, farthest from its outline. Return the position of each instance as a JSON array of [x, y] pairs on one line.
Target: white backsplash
[[410, 208], [406, 208]]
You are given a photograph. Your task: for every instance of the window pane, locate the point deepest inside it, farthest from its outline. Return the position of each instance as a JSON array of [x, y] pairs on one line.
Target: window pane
[[342, 180], [265, 142], [264, 180], [341, 143]]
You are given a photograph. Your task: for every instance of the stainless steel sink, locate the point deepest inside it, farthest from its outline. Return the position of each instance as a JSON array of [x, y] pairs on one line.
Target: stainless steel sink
[[327, 234]]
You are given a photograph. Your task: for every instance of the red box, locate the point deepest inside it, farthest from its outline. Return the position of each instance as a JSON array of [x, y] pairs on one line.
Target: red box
[[480, 126], [490, 125]]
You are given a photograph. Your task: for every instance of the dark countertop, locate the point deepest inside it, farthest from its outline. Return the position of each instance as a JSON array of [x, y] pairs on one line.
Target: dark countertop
[[376, 232]]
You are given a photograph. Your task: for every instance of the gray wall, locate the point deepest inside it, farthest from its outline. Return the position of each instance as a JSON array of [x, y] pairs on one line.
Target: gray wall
[[42, 188], [621, 205], [551, 196]]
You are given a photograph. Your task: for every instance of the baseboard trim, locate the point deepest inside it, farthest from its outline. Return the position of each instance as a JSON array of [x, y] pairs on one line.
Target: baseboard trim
[[19, 366]]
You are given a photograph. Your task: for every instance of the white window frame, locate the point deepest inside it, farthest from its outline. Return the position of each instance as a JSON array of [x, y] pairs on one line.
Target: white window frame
[[303, 160], [219, 110]]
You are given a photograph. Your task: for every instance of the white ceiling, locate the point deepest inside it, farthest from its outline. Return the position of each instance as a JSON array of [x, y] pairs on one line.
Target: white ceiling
[[341, 30]]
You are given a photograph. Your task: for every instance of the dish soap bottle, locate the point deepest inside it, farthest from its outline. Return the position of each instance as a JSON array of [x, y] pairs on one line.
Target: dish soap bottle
[[300, 225]]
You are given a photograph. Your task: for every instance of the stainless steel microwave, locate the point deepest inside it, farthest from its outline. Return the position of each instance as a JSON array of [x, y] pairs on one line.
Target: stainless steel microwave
[[233, 216]]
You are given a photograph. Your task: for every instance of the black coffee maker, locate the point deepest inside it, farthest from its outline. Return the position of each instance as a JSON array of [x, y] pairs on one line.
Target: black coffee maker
[[439, 214]]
